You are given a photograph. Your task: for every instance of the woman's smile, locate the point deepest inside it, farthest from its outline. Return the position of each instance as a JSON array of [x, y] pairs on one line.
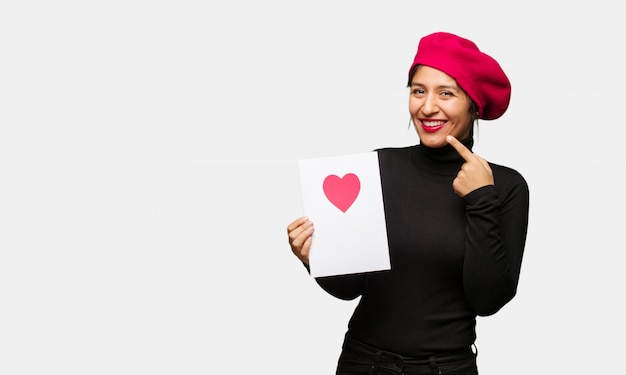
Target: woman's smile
[[432, 126]]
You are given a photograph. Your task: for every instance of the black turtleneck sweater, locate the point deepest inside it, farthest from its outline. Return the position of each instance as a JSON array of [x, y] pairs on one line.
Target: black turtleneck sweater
[[452, 258]]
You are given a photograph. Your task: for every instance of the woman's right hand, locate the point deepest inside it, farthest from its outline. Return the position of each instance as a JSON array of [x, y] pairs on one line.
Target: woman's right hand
[[300, 233]]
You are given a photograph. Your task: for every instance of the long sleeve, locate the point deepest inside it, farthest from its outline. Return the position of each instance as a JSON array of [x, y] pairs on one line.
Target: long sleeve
[[346, 287], [497, 220]]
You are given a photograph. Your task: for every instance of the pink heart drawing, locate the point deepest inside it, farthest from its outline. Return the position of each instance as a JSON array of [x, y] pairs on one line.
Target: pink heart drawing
[[342, 192]]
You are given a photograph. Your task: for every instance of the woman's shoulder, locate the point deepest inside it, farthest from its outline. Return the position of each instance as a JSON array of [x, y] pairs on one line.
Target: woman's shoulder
[[395, 148], [504, 170], [505, 175], [394, 151]]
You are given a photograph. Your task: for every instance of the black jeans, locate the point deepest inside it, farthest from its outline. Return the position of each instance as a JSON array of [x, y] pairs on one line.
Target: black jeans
[[361, 359]]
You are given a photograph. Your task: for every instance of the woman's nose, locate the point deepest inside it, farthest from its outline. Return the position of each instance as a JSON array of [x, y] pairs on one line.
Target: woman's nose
[[430, 106]]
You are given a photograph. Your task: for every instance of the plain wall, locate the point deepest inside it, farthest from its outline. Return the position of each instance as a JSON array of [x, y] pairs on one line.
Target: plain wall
[[148, 171]]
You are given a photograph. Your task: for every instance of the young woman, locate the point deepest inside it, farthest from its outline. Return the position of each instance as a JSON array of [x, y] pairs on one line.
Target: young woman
[[456, 225]]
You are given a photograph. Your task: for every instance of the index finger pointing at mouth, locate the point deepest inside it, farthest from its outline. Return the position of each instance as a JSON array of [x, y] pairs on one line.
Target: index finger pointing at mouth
[[460, 148]]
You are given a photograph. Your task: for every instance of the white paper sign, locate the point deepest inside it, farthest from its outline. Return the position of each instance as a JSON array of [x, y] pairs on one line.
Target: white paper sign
[[342, 195]]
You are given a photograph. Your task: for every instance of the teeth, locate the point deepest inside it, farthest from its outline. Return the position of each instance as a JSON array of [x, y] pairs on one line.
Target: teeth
[[433, 123]]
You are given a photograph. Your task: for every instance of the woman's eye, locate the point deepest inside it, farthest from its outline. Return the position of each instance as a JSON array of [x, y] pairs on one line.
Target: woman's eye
[[418, 91]]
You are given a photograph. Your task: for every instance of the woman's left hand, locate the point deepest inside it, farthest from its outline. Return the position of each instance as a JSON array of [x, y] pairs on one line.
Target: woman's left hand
[[475, 172]]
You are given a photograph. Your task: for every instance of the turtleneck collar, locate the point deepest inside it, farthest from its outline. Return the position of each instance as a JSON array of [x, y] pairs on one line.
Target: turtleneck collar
[[444, 161]]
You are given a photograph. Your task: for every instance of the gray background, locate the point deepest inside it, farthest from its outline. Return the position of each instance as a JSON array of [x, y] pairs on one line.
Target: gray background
[[148, 171]]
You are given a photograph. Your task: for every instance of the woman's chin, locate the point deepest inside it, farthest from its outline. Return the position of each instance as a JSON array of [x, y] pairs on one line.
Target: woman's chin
[[433, 141]]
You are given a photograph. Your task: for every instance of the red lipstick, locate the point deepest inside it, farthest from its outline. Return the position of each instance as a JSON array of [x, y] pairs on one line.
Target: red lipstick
[[431, 126]]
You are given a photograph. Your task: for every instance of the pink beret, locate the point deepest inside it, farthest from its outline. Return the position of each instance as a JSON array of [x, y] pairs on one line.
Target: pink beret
[[477, 73]]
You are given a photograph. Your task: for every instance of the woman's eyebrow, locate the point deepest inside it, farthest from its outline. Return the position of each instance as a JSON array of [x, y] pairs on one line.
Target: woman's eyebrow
[[450, 87]]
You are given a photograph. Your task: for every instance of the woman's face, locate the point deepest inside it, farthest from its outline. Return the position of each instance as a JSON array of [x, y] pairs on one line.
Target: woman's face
[[438, 107]]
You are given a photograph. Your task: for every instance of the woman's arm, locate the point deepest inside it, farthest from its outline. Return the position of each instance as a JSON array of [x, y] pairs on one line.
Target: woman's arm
[[497, 222], [346, 287]]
